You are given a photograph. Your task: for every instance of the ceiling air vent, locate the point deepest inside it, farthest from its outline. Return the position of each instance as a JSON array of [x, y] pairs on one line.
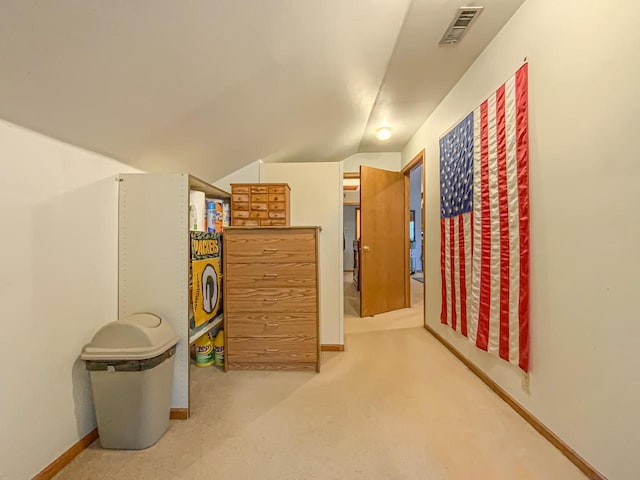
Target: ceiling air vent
[[461, 22]]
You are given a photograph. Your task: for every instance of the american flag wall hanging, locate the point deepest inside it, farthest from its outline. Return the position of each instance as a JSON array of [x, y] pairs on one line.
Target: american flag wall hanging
[[484, 224]]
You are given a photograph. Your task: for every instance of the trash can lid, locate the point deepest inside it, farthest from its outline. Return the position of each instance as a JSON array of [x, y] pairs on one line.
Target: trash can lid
[[135, 337]]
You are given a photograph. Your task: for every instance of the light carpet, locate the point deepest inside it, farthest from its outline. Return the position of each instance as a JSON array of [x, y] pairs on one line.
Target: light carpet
[[394, 405]]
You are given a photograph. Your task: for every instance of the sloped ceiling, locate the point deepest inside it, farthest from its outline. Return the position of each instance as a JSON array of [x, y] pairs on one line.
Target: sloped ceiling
[[421, 72], [208, 86]]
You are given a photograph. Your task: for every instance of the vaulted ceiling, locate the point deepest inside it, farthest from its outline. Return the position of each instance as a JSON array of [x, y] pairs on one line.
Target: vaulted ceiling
[[208, 86]]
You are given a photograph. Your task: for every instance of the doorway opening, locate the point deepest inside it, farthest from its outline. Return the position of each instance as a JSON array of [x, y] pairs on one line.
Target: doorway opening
[[383, 245], [351, 240], [414, 209]]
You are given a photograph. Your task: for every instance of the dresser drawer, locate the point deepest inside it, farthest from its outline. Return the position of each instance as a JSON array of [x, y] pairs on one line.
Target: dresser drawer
[[245, 223], [277, 299], [251, 275], [277, 189], [240, 197], [278, 197], [259, 214], [239, 206], [259, 197], [259, 206], [271, 324], [240, 189], [267, 247], [277, 215], [272, 349], [240, 214], [280, 222], [259, 189], [277, 206]]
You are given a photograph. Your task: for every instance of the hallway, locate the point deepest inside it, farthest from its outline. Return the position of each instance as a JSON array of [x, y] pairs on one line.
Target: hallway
[[405, 318], [395, 405]]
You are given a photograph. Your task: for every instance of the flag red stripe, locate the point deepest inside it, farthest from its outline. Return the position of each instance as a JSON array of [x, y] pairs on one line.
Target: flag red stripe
[[452, 250], [482, 338], [443, 311], [522, 142], [503, 203], [463, 284]]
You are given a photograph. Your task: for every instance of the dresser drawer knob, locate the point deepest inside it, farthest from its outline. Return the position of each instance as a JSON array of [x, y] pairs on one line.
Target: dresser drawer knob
[[271, 349], [271, 300], [270, 250], [270, 275], [271, 324]]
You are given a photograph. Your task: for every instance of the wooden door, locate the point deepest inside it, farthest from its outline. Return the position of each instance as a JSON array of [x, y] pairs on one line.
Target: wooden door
[[383, 241]]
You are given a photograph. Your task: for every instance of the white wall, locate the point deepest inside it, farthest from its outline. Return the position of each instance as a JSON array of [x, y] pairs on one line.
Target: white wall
[[384, 160], [585, 219], [349, 222], [351, 197], [316, 199], [58, 284], [247, 174]]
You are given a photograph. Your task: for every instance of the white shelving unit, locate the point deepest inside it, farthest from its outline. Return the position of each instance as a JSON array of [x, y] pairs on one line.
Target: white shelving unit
[[153, 266], [216, 322]]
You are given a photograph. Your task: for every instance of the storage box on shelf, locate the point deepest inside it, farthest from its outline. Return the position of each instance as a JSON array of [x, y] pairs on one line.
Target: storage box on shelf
[[260, 204], [154, 259], [271, 298]]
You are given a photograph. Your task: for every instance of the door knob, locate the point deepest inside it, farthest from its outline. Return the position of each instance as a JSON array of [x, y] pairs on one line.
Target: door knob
[[365, 248]]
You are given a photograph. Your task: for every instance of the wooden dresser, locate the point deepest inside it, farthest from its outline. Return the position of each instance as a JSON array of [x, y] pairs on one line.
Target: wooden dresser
[[271, 298], [260, 204]]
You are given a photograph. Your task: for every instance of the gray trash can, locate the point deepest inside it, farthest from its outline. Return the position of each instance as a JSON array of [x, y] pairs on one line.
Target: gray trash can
[[130, 364]]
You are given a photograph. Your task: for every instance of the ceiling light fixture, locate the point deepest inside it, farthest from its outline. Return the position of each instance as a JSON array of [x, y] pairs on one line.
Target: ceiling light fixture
[[383, 133]]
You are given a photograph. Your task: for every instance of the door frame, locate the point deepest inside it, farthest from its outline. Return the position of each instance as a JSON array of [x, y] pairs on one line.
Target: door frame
[[415, 161]]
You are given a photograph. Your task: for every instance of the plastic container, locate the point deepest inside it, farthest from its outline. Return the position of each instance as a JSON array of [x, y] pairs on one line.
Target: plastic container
[[211, 216], [218, 348], [130, 364], [204, 351], [219, 211], [226, 215]]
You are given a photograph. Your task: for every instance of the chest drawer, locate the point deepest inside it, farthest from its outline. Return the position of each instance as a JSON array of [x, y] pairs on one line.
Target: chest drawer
[[240, 197], [265, 247], [245, 223], [240, 214], [271, 324], [277, 299], [239, 206], [274, 349], [259, 214], [248, 275]]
